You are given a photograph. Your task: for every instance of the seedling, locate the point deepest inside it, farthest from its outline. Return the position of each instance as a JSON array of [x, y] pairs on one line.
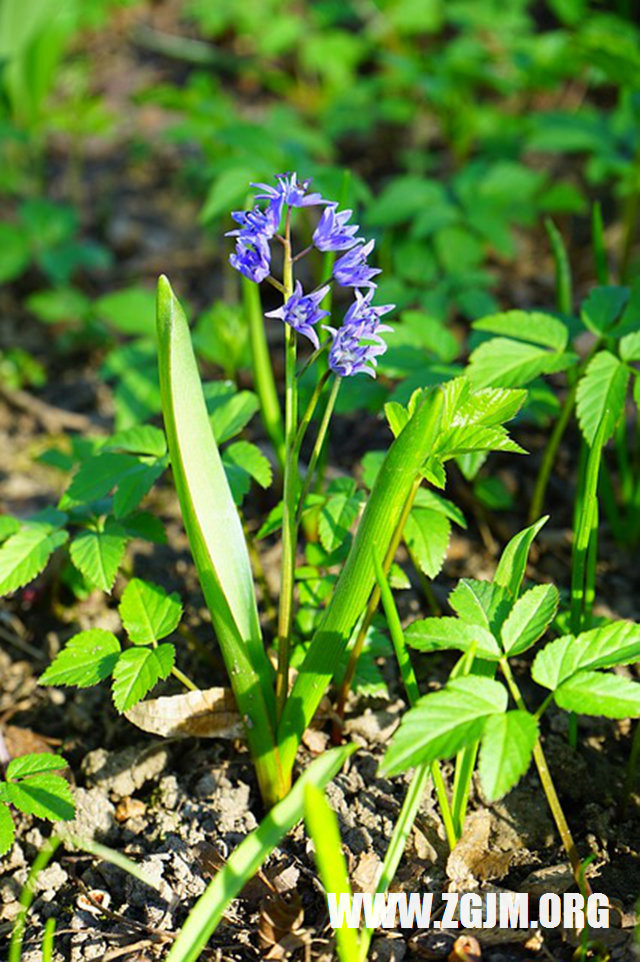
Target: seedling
[[32, 786]]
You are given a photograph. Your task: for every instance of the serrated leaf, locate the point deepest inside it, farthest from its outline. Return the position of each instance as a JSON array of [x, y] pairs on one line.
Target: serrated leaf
[[45, 796], [601, 394], [25, 553], [529, 618], [397, 416], [229, 411], [142, 439], [148, 613], [137, 671], [398, 577], [480, 603], [143, 525], [97, 476], [135, 484], [98, 554], [7, 829], [34, 764], [85, 660], [513, 561], [502, 362], [432, 634], [630, 346], [603, 647], [427, 534], [426, 498], [441, 724], [490, 406], [8, 526], [532, 326], [602, 307], [505, 755], [251, 459], [471, 438], [599, 693], [336, 517]]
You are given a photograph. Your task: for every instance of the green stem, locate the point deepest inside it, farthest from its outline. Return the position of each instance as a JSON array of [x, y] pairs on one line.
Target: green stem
[[28, 894], [630, 218], [549, 456], [564, 295], [262, 369], [317, 447], [372, 606], [413, 694], [549, 787], [599, 249], [309, 412], [632, 771], [285, 611], [183, 679], [586, 515]]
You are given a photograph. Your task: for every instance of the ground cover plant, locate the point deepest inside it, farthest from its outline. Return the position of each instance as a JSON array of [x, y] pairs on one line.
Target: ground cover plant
[[316, 560]]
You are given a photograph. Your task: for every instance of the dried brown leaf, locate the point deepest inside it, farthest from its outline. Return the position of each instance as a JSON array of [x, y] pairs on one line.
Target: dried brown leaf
[[211, 713]]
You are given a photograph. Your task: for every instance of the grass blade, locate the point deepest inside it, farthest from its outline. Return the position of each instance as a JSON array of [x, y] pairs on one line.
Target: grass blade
[[247, 858]]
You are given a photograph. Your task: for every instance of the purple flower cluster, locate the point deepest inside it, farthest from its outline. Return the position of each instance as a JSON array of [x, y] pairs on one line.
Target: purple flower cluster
[[357, 344]]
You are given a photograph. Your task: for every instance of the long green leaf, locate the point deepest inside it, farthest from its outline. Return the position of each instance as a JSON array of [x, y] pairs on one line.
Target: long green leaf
[[215, 535], [322, 826], [397, 474], [247, 858]]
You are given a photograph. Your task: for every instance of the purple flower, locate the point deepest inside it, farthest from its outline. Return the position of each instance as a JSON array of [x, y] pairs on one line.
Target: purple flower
[[352, 270], [255, 224], [347, 356], [290, 192], [366, 316], [332, 233], [301, 312], [253, 259]]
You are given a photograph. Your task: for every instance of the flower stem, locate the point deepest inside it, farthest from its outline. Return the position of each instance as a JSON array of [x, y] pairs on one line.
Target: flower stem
[[370, 610], [549, 788], [289, 528], [317, 447], [262, 369]]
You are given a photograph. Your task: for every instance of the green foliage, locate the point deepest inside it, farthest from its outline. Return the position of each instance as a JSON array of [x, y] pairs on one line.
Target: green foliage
[[148, 614], [32, 787]]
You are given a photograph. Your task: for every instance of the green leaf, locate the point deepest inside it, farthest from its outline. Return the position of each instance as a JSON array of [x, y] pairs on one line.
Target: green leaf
[[441, 724], [98, 554], [45, 796], [140, 439], [432, 634], [251, 459], [34, 764], [604, 647], [513, 561], [135, 484], [505, 755], [131, 310], [14, 252], [630, 347], [532, 326], [25, 553], [86, 659], [245, 860], [143, 525], [489, 407], [322, 826], [529, 618], [8, 526], [7, 829], [427, 533], [503, 362], [402, 465], [97, 476], [229, 411], [148, 613], [336, 517], [59, 305], [598, 693], [215, 534], [601, 394], [480, 603], [426, 498], [602, 307], [137, 671]]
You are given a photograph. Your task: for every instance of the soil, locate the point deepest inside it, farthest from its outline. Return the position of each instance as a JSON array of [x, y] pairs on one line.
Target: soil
[[177, 807]]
